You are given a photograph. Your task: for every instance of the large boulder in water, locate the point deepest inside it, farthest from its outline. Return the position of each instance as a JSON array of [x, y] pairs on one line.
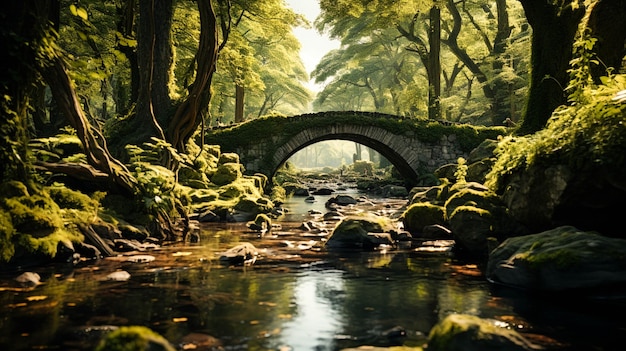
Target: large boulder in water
[[559, 259], [463, 332], [136, 338], [366, 232]]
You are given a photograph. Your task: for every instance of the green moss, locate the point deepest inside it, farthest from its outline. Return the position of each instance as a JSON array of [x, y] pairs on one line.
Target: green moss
[[36, 214], [227, 173], [421, 214], [134, 338], [228, 157], [7, 248], [585, 136], [469, 196], [71, 199]]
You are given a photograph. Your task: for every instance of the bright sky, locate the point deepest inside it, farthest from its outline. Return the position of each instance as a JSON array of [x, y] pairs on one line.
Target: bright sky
[[314, 45]]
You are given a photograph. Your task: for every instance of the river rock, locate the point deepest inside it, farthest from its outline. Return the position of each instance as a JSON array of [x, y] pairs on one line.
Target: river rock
[[242, 254], [559, 259], [136, 338], [462, 332], [322, 191], [118, 276], [208, 216], [28, 278], [341, 200], [359, 233]]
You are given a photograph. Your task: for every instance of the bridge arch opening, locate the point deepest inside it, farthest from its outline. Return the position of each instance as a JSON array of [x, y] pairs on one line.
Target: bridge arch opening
[[405, 170]]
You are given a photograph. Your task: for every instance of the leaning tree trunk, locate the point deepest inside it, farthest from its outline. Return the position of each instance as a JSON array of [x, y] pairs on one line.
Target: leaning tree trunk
[[188, 116], [554, 29], [93, 141]]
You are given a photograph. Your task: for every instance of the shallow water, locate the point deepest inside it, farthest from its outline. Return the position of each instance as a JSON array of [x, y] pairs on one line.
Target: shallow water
[[294, 298]]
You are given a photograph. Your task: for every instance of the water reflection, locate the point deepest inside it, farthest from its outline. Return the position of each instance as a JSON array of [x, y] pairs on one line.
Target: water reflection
[[318, 314], [327, 302]]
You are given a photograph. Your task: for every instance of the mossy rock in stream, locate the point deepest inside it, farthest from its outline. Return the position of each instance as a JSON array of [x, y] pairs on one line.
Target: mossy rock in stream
[[462, 332], [421, 214], [134, 338]]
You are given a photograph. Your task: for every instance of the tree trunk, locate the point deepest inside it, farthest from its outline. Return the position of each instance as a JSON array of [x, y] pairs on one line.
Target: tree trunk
[[126, 13], [154, 51], [188, 116], [607, 22], [434, 64], [239, 103], [93, 141], [554, 29]]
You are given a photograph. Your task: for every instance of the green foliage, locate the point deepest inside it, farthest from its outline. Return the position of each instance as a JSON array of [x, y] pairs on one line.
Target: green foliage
[[133, 338], [461, 170], [363, 167], [53, 149], [588, 135]]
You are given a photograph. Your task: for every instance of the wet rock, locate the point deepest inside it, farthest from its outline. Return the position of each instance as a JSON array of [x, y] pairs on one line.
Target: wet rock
[[208, 216], [310, 199], [333, 216], [133, 232], [461, 332], [421, 214], [28, 278], [140, 258], [323, 191], [124, 245], [341, 200], [365, 233], [200, 342], [87, 251], [106, 230], [118, 276], [242, 254], [391, 190], [141, 338], [301, 192], [559, 259], [435, 232]]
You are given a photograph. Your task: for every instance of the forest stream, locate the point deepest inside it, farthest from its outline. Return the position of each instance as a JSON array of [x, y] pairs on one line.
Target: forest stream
[[296, 296]]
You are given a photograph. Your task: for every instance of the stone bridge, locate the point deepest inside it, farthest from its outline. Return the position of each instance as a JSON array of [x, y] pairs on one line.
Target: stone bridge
[[414, 147]]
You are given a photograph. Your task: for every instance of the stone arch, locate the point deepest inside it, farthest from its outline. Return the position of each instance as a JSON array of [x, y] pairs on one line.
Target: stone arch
[[375, 138]]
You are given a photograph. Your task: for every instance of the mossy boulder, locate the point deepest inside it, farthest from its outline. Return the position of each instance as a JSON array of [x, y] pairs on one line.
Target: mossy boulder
[[471, 229], [252, 206], [422, 214], [367, 232], [463, 332], [226, 173], [71, 199], [134, 338], [228, 157], [559, 259], [471, 193]]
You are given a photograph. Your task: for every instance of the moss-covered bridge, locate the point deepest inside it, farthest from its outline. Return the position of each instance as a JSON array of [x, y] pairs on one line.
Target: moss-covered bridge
[[412, 146]]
